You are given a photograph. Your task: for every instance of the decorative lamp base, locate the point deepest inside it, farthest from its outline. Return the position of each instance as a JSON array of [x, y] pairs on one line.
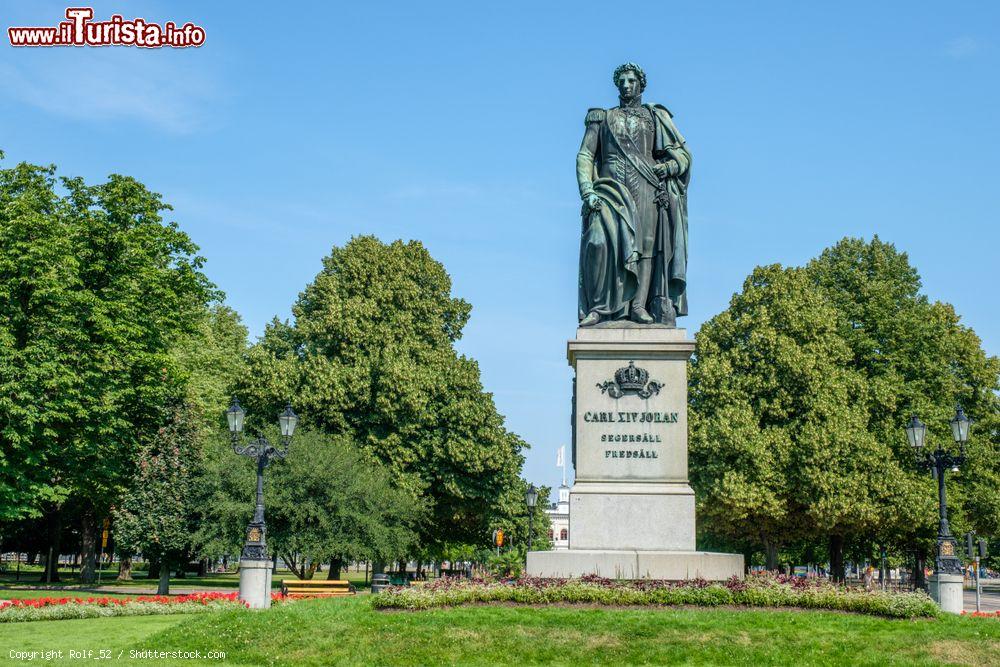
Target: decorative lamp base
[[255, 583], [946, 589]]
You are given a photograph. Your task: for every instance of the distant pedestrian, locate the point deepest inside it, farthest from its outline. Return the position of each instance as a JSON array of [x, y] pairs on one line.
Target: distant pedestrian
[[869, 578]]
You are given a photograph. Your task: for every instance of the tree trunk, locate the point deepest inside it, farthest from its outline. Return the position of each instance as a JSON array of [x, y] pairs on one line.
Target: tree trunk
[[919, 580], [313, 566], [837, 558], [50, 573], [125, 567], [154, 567], [88, 545], [293, 564], [335, 565], [163, 588], [274, 564], [771, 555], [203, 567]]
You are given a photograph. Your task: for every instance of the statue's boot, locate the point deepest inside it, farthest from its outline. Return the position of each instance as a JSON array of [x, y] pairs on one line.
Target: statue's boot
[[667, 312], [638, 311], [592, 318]]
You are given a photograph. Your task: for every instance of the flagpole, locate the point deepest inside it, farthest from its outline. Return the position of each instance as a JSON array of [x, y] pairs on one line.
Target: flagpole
[[561, 462]]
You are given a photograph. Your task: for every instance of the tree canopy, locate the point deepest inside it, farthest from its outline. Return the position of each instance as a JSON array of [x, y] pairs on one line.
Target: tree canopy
[[370, 356], [800, 389], [325, 503], [96, 290]]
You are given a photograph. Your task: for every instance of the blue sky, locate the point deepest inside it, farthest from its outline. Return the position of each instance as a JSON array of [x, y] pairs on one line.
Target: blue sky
[[301, 124]]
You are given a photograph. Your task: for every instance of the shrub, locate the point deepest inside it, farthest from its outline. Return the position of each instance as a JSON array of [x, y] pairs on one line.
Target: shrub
[[758, 590]]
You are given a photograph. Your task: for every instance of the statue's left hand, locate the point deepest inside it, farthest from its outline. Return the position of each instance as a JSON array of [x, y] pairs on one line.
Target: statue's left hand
[[666, 169]]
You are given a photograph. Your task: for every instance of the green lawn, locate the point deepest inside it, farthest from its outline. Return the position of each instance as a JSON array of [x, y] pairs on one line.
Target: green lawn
[[92, 634], [349, 632]]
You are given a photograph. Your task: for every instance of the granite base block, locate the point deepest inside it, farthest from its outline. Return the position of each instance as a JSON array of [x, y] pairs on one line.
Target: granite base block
[[628, 564], [623, 517]]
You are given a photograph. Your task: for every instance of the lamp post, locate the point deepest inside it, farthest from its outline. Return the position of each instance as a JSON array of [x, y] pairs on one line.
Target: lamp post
[[947, 566], [255, 567], [530, 498]]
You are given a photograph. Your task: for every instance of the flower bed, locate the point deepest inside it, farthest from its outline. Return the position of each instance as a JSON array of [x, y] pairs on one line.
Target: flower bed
[[983, 614], [58, 608], [757, 590]]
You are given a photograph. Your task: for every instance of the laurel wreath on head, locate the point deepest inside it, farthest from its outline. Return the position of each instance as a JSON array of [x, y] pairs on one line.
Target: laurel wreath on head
[[631, 67]]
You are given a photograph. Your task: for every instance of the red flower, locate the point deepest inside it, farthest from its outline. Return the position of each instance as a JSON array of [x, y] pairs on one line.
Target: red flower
[[203, 598]]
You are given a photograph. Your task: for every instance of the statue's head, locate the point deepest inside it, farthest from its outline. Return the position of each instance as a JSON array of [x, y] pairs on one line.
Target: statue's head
[[630, 80]]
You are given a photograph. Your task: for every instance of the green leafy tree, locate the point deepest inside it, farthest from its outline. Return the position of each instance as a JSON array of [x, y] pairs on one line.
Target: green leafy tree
[[325, 503], [370, 356], [799, 393], [153, 517], [210, 359], [512, 518], [39, 385], [335, 505], [778, 444], [97, 291], [916, 357]]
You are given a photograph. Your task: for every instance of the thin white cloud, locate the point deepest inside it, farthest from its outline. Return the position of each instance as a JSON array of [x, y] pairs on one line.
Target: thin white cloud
[[963, 47], [167, 90]]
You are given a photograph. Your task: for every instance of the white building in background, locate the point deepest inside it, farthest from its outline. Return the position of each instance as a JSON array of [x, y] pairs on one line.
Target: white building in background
[[559, 516], [559, 512]]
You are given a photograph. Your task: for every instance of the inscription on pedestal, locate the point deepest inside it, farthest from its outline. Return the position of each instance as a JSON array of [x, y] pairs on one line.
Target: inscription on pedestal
[[631, 420]]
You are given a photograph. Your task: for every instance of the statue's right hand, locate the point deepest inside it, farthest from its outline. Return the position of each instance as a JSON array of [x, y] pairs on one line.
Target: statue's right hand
[[594, 202]]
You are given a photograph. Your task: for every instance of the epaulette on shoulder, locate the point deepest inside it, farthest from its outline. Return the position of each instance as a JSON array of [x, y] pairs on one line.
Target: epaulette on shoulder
[[595, 116]]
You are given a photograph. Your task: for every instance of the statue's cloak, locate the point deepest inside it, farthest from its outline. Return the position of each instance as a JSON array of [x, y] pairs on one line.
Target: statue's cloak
[[608, 258], [671, 250]]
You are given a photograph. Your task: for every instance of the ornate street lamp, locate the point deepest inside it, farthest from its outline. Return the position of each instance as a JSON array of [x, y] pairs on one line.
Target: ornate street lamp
[[916, 431], [938, 461], [530, 499], [254, 556], [960, 427]]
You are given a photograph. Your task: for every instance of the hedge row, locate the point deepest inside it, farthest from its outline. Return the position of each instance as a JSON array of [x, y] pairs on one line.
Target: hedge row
[[754, 591]]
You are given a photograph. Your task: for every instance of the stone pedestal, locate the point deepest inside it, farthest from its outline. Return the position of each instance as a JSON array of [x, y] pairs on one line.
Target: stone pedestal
[[632, 512], [947, 591], [255, 583]]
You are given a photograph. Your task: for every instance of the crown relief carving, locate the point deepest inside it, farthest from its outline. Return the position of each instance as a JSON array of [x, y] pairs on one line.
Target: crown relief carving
[[630, 380]]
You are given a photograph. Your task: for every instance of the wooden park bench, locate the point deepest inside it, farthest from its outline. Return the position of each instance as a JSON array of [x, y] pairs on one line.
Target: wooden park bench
[[319, 588]]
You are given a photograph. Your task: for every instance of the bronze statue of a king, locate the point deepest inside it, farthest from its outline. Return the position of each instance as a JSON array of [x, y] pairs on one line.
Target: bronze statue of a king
[[633, 169]]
